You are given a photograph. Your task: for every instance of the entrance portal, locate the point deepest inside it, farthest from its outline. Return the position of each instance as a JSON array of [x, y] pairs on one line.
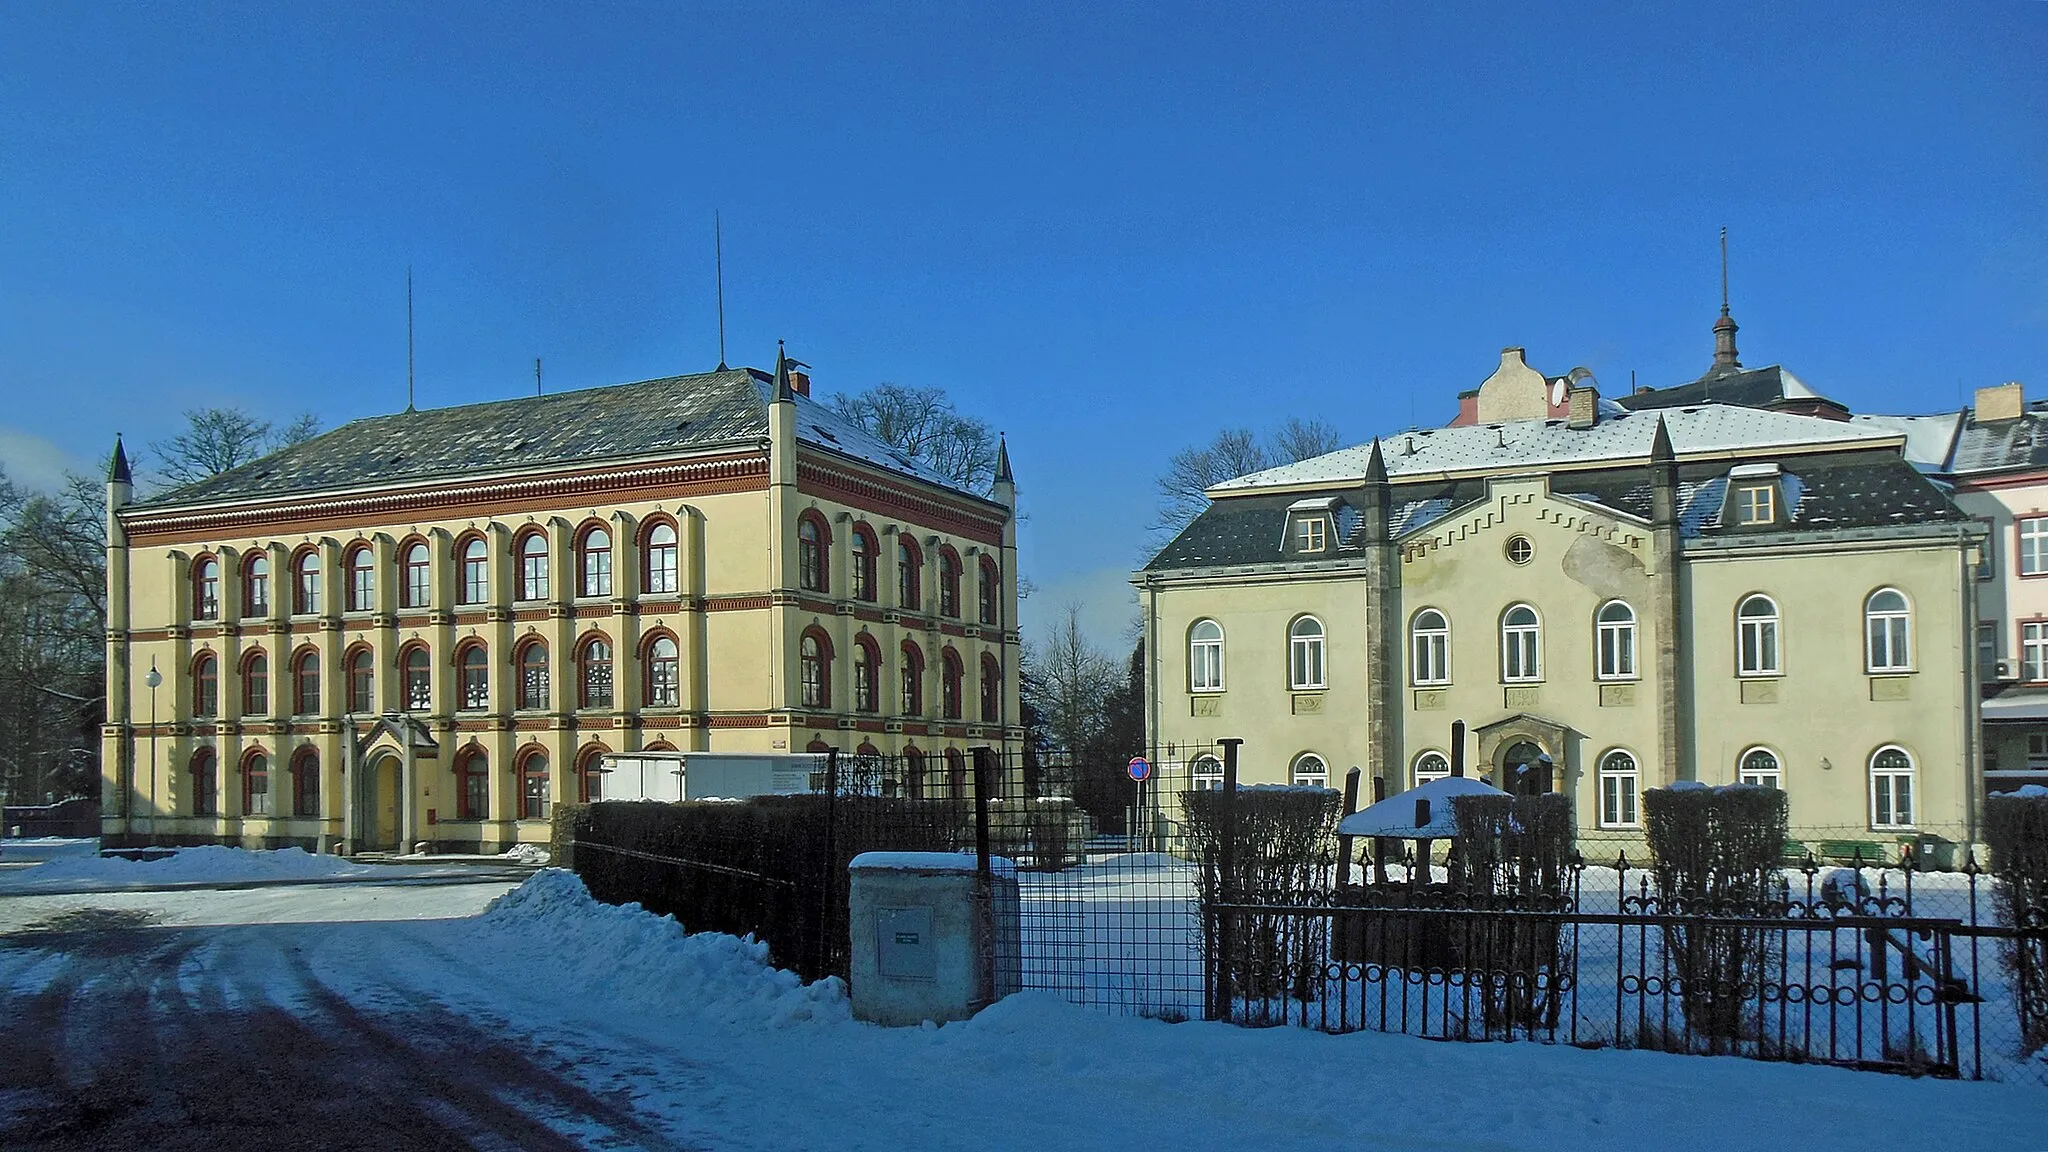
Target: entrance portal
[[1526, 769], [380, 826]]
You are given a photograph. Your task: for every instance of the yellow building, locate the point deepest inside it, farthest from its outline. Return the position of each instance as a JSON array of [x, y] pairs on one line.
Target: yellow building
[[430, 626], [1611, 600]]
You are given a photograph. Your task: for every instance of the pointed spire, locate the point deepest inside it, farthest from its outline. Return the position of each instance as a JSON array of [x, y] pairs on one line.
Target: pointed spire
[[1003, 460], [1660, 445], [1725, 359], [783, 391], [118, 472], [1376, 465]]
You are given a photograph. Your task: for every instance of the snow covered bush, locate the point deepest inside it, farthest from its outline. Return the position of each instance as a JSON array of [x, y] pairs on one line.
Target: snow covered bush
[[2016, 829], [1714, 852]]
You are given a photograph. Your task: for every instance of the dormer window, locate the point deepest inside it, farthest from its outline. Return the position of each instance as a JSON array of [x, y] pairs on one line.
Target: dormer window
[[1756, 503], [1311, 534]]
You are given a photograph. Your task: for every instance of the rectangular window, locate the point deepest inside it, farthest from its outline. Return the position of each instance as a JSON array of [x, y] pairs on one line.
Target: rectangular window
[[1618, 800], [2033, 532], [1987, 650], [2037, 751], [259, 790], [362, 585], [1432, 658], [1207, 774], [476, 688], [2034, 650], [1987, 556], [1891, 800], [1755, 503], [661, 568], [1309, 534], [1761, 777], [419, 690], [1519, 661], [476, 580], [1617, 651]]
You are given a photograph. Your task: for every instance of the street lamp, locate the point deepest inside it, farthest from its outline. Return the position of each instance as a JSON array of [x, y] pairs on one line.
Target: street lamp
[[153, 678]]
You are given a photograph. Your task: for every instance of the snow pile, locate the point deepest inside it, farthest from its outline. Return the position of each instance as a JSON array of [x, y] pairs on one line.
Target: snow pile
[[527, 854], [209, 864], [649, 962], [47, 848]]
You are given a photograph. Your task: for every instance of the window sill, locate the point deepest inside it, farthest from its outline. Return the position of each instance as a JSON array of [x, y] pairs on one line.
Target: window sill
[[1759, 675]]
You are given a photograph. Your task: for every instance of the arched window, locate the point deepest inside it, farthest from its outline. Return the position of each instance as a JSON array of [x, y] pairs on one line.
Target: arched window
[[1759, 766], [419, 680], [1756, 636], [1305, 654], [306, 783], [533, 566], [533, 676], [1429, 648], [472, 784], [415, 585], [476, 572], [867, 675], [1618, 783], [595, 553], [663, 573], [205, 784], [909, 594], [814, 669], [956, 774], [1205, 657], [913, 680], [475, 663], [913, 773], [533, 786], [949, 583], [664, 684], [206, 589], [362, 681], [991, 593], [1891, 788], [1521, 645], [863, 562], [362, 578], [1205, 774], [590, 773], [950, 675], [306, 583], [1888, 626], [306, 683], [1615, 634], [206, 685], [255, 685], [1430, 766], [1309, 771], [255, 784], [991, 689], [596, 661], [256, 586], [811, 538]]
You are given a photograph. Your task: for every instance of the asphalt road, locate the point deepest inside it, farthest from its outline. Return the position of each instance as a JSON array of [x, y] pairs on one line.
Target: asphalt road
[[150, 1037]]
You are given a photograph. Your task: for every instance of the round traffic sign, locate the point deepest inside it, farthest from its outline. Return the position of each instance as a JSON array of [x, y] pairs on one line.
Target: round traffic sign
[[1139, 768]]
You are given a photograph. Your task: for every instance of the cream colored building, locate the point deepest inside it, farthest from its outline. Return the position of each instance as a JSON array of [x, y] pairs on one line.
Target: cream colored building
[[1610, 600], [430, 626]]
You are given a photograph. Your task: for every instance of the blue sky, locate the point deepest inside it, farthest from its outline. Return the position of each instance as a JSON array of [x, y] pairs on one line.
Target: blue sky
[[1107, 230]]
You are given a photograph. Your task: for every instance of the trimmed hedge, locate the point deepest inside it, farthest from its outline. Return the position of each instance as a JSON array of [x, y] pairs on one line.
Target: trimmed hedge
[[1714, 852], [1513, 847], [1286, 839], [2016, 830]]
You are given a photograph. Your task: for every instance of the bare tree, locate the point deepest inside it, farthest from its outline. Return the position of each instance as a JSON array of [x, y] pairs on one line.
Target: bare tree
[[216, 440], [1074, 682], [1299, 440], [52, 637], [1234, 452], [922, 424]]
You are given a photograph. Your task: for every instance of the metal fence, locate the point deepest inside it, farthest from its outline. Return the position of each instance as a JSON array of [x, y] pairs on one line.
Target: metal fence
[[1870, 964]]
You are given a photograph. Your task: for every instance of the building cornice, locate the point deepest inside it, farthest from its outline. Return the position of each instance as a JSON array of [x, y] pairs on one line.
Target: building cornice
[[872, 491]]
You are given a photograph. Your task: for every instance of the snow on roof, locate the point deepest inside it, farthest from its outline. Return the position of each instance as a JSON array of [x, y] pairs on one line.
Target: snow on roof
[[1928, 438], [928, 862], [1696, 430], [1395, 816], [1313, 504]]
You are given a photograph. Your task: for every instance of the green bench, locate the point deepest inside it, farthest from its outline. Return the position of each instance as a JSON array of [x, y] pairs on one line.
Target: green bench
[[1846, 852]]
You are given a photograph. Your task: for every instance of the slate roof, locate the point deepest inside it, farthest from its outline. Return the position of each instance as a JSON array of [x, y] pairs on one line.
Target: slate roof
[[1750, 388], [671, 416], [1536, 444], [1824, 491], [2002, 445]]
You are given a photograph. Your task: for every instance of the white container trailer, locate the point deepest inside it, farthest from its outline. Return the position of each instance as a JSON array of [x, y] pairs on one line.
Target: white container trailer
[[708, 775]]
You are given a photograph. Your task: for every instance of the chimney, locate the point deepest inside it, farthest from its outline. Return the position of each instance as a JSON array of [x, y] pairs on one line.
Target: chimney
[[2004, 402], [799, 381], [1582, 408]]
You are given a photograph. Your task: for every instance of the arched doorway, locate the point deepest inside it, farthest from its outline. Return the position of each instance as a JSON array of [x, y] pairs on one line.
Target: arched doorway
[[1526, 769], [380, 828]]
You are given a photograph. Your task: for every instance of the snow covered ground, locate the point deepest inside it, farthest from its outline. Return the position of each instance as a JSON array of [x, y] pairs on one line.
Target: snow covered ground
[[412, 1017], [215, 866]]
